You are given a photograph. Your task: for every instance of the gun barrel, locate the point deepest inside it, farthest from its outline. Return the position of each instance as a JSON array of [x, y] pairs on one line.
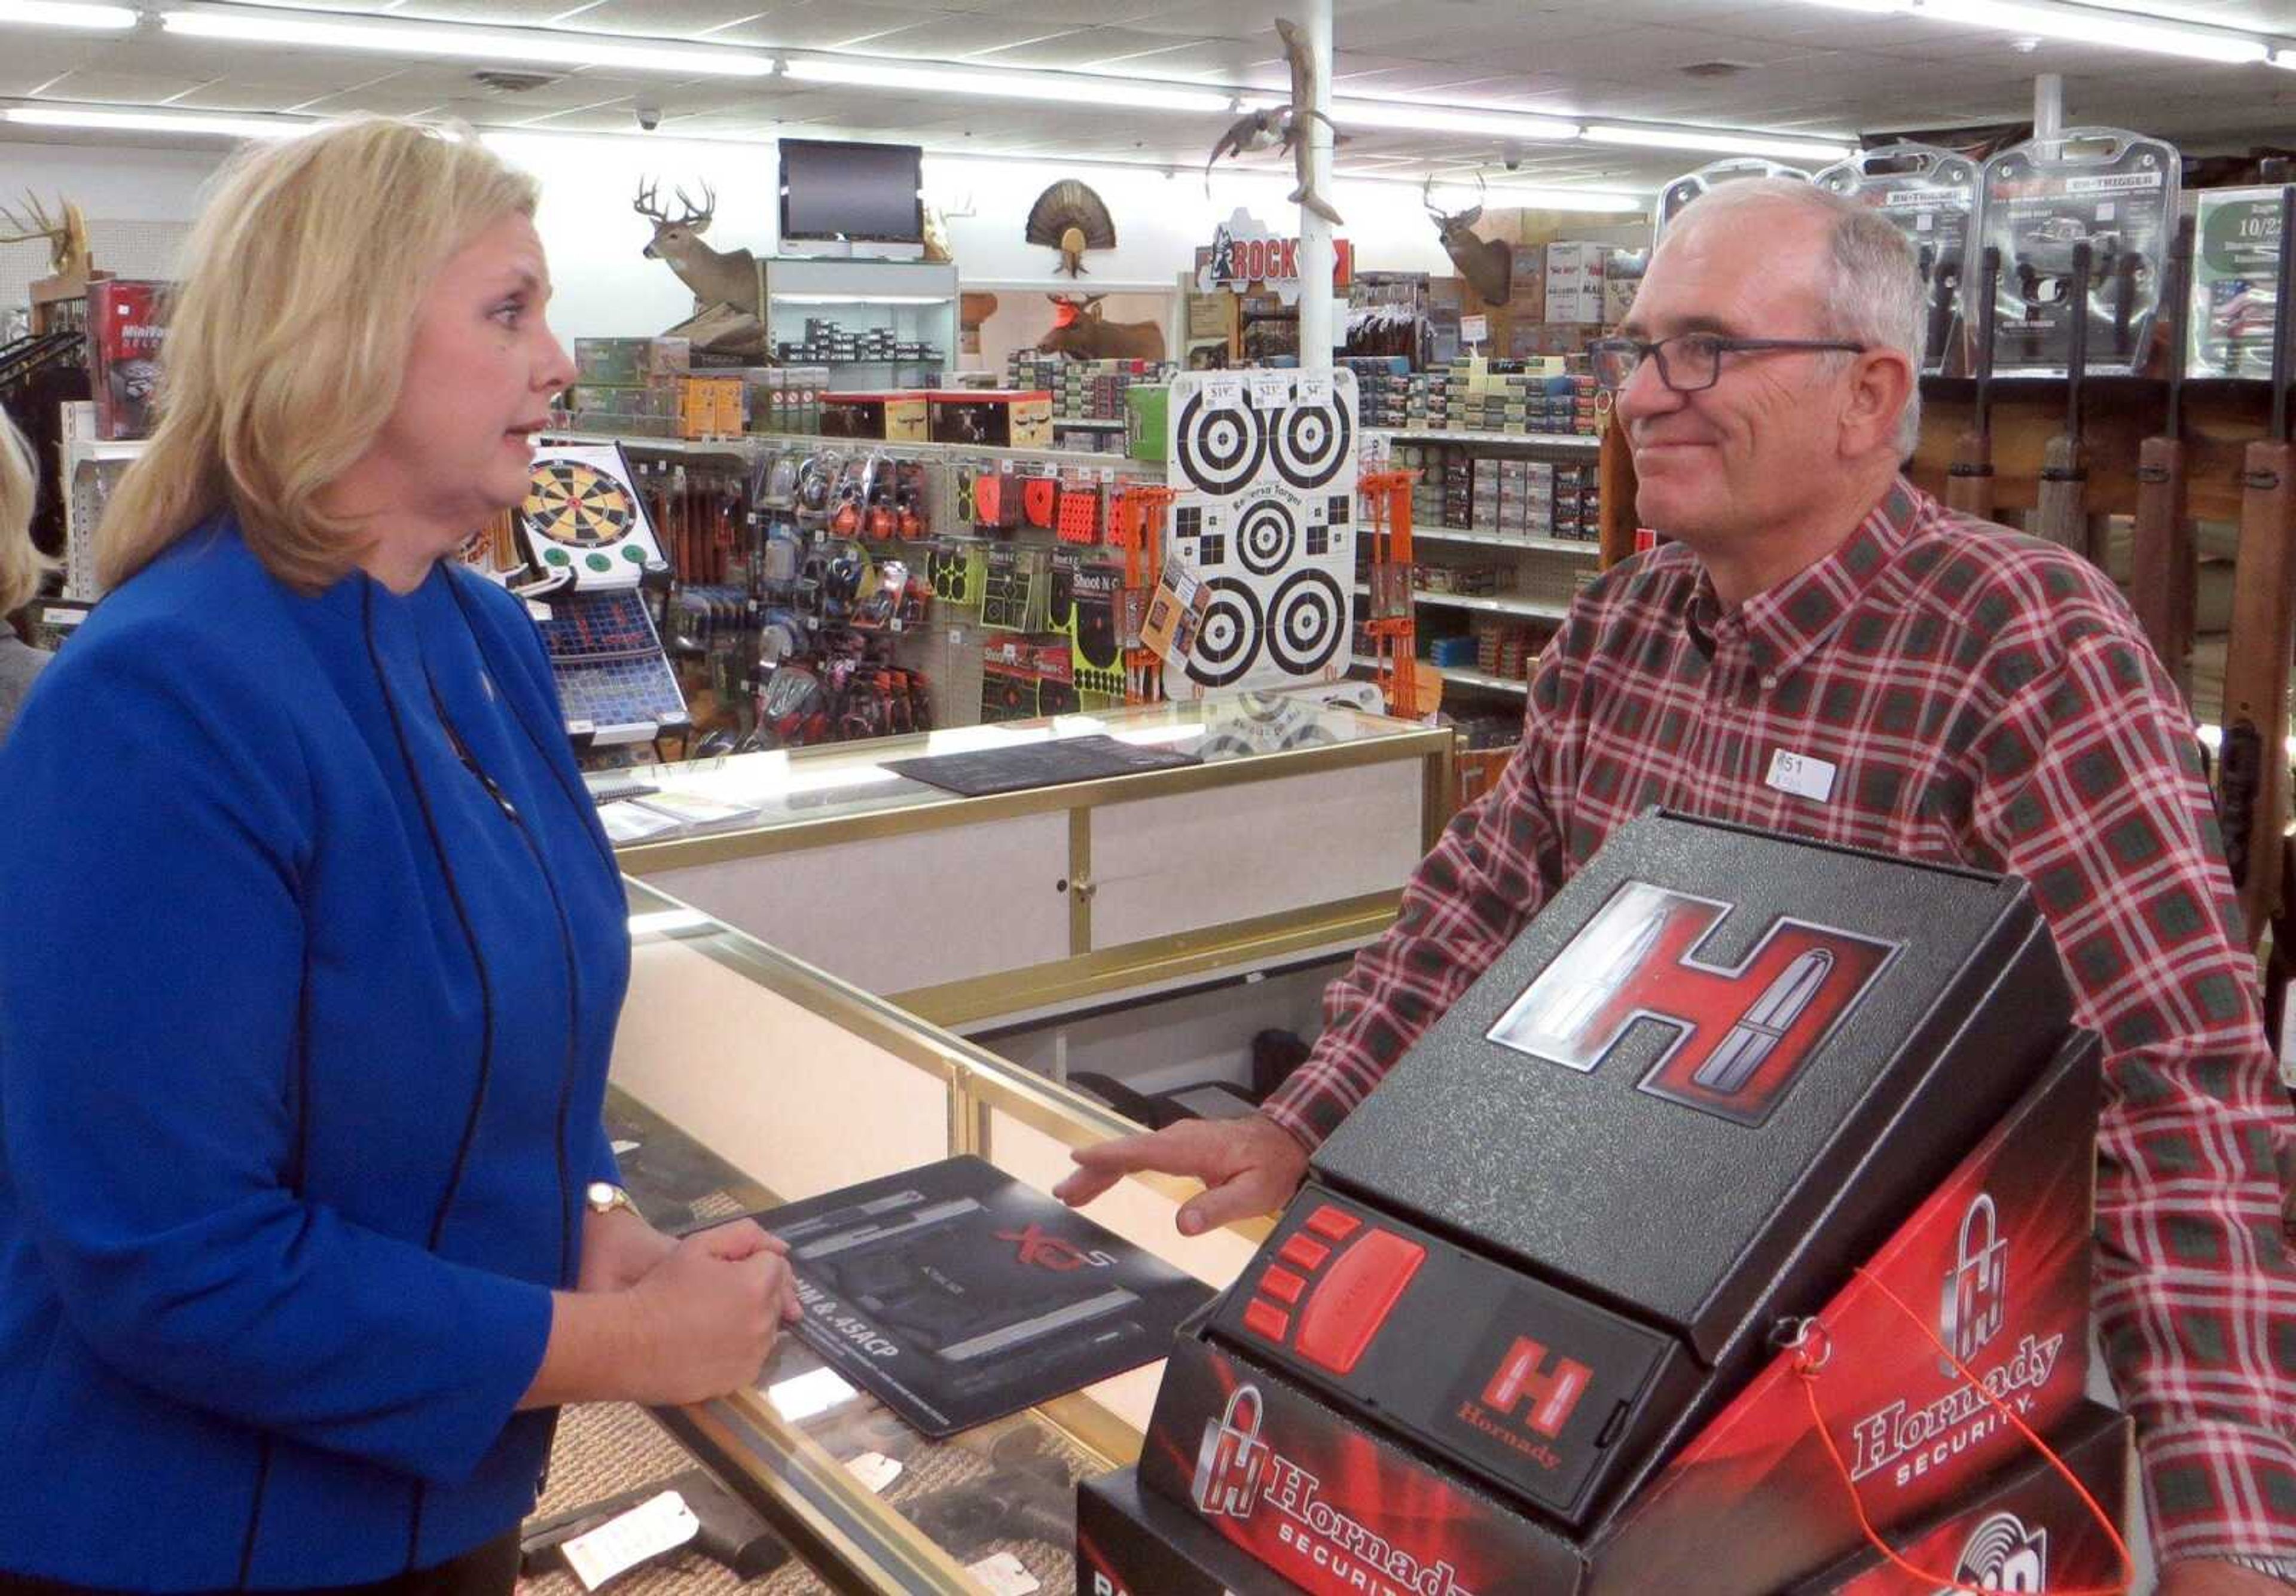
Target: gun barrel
[[2284, 308]]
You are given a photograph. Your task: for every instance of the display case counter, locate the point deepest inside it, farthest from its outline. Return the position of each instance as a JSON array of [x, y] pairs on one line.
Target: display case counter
[[743, 1077], [1292, 835]]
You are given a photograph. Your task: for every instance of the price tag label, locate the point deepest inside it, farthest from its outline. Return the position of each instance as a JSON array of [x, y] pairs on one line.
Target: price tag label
[[874, 1471], [1223, 393], [800, 1399], [1004, 1574], [620, 1545], [1270, 390], [1801, 776], [1315, 388], [1474, 329]]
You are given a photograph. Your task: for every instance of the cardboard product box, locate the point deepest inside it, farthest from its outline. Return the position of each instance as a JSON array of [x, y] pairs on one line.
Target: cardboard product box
[[1006, 418], [2023, 1529], [896, 417], [631, 361], [126, 324]]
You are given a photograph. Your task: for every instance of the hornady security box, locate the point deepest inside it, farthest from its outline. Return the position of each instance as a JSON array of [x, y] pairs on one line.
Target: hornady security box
[[1711, 1079]]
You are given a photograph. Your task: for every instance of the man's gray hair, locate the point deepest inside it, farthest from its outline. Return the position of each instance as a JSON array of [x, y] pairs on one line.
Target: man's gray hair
[[1873, 289]]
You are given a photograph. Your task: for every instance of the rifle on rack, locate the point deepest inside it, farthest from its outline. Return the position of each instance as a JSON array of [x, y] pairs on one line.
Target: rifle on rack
[[2162, 562], [1969, 480], [2061, 518], [2253, 786]]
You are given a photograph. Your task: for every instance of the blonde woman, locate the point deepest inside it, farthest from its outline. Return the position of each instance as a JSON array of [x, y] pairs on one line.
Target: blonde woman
[[20, 568], [307, 1215]]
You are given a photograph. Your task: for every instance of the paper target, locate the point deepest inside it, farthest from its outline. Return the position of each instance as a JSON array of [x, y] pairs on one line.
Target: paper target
[[1223, 444], [1228, 643], [1313, 441], [1267, 537], [1265, 464], [1306, 621]]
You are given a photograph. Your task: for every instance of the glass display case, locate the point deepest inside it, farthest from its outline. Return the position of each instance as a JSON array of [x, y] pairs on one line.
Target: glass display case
[[742, 1078], [1290, 835], [876, 325]]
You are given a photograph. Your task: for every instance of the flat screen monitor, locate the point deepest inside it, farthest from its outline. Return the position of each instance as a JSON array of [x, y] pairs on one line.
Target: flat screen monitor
[[862, 193]]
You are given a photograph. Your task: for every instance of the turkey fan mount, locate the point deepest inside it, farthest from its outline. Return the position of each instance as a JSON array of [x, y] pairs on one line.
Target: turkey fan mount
[[1069, 218]]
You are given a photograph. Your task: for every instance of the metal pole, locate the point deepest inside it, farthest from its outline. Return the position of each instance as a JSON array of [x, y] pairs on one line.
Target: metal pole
[[2048, 106], [1316, 249]]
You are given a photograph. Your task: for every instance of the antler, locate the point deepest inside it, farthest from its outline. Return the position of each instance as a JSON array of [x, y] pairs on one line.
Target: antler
[[40, 226], [644, 204], [1464, 219], [696, 215]]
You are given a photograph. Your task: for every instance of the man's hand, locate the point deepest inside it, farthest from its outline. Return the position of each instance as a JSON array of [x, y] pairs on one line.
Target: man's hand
[[2207, 1576], [1250, 1167]]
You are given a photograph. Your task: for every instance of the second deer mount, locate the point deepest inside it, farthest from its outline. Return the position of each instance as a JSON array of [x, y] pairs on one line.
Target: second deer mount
[[715, 276], [1487, 264], [1079, 333]]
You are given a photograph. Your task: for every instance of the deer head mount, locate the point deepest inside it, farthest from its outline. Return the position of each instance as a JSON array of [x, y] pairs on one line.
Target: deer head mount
[[1487, 264], [66, 232], [715, 276]]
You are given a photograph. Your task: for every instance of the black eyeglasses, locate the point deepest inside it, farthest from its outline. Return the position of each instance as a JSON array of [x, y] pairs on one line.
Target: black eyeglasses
[[1692, 362]]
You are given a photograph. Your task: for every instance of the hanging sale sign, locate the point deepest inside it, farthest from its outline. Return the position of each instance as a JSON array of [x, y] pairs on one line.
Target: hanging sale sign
[[1244, 253]]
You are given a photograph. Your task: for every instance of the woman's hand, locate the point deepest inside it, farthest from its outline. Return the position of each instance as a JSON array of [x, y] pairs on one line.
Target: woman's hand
[[618, 1250]]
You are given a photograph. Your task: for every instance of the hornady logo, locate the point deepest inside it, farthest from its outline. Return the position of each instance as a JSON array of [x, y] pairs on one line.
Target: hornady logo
[[1975, 1298], [1039, 1249], [1741, 1033], [1912, 1442], [1546, 1386], [1332, 1550], [2003, 1555]]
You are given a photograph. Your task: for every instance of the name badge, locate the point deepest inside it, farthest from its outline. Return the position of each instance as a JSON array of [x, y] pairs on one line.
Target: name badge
[[1801, 776]]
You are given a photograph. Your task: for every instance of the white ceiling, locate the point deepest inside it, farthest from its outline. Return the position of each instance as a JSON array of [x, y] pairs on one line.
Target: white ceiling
[[1802, 70]]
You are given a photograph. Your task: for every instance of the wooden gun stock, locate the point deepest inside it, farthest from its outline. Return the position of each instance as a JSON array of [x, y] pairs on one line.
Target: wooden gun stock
[[2062, 517], [2255, 758], [1969, 481], [2162, 557]]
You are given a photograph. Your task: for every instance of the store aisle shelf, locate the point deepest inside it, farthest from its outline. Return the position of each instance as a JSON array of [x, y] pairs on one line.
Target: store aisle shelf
[[1533, 608], [1457, 673], [748, 441], [1581, 443], [1454, 534]]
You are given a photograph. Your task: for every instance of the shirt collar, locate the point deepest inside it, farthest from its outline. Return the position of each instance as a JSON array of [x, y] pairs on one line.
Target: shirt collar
[[1782, 624]]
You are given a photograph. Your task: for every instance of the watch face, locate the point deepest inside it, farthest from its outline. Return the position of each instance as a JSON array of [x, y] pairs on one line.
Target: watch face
[[604, 1197]]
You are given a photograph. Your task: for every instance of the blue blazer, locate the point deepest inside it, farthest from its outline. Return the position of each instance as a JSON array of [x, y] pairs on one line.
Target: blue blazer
[[304, 1017]]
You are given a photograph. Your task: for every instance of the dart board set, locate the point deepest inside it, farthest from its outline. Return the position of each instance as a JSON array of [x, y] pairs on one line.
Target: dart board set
[[1265, 466], [582, 519]]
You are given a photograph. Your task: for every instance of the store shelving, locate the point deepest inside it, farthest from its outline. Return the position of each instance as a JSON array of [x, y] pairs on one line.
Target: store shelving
[[1579, 443], [1586, 548], [1454, 673], [1529, 608]]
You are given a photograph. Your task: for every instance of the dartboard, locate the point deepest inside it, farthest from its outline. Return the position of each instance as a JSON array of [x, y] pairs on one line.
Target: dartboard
[[578, 505], [1221, 447], [1227, 645], [1266, 537], [1305, 622], [1312, 442]]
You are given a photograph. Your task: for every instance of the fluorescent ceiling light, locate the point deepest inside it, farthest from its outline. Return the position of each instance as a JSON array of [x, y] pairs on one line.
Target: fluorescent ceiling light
[[2089, 26], [158, 121], [1567, 198], [526, 46], [1436, 118], [1722, 142], [60, 13], [1007, 86]]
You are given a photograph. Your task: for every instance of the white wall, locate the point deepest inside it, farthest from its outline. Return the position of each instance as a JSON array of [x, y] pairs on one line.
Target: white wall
[[605, 287]]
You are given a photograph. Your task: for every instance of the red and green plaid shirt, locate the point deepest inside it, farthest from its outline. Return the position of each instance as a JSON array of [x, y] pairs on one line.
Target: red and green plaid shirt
[[1985, 699]]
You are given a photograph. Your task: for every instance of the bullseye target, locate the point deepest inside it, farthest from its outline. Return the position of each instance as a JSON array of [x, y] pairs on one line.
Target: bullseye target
[[1307, 619], [1227, 645], [569, 502], [1267, 537], [1312, 443], [1222, 446], [582, 516]]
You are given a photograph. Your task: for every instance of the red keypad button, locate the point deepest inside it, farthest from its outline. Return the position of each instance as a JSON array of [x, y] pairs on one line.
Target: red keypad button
[[1337, 1224], [1304, 1252], [1265, 1319], [1282, 1285], [1352, 1301]]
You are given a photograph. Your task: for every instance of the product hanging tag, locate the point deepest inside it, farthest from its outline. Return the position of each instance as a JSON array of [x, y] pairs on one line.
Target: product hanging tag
[[1004, 1574], [619, 1544], [1801, 776], [874, 1471], [800, 1399]]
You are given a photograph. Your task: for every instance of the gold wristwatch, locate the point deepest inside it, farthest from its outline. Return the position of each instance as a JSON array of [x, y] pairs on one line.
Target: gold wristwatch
[[604, 1197]]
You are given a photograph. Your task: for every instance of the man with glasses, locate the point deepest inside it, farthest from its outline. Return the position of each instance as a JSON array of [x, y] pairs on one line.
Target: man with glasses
[[1952, 692]]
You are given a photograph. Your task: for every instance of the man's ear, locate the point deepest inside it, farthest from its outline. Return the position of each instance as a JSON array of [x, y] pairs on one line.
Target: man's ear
[[1880, 386]]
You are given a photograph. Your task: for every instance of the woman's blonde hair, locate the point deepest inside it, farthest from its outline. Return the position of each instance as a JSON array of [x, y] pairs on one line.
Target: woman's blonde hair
[[22, 565], [288, 336]]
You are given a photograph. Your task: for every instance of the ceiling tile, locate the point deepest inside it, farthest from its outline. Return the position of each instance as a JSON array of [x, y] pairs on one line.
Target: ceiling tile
[[118, 89]]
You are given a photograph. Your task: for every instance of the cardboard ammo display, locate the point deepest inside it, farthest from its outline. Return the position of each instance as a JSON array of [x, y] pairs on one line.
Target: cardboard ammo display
[[1516, 1332]]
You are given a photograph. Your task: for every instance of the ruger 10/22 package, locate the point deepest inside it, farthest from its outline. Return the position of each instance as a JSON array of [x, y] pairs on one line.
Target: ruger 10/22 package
[[1931, 194], [2235, 282], [2114, 191]]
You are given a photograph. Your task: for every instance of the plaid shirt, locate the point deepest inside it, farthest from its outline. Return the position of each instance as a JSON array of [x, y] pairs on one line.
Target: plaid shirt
[[1985, 699]]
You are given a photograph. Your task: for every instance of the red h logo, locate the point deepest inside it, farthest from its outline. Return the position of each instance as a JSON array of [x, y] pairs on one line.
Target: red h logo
[[1553, 1393], [1742, 1033]]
